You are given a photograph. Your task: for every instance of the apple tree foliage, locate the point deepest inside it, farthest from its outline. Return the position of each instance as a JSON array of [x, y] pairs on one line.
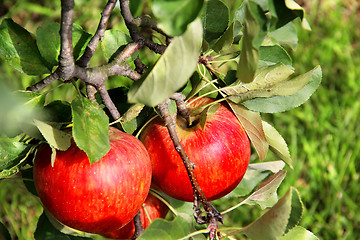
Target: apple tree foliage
[[233, 50]]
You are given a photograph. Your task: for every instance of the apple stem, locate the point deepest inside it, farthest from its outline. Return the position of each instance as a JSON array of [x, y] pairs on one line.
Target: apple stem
[[181, 106], [211, 213], [139, 229]]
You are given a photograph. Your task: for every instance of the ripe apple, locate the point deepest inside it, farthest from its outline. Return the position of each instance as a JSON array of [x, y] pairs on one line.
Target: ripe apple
[[96, 198], [220, 151], [152, 209]]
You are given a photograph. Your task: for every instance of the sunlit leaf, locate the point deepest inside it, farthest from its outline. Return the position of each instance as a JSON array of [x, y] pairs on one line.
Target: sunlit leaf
[[265, 195], [169, 230], [80, 40], [172, 70], [113, 40], [48, 41], [274, 223], [299, 233], [266, 78], [129, 119], [208, 111], [277, 143], [283, 103], [174, 16], [254, 175], [253, 127], [18, 48], [11, 152], [286, 35], [90, 129], [56, 138]]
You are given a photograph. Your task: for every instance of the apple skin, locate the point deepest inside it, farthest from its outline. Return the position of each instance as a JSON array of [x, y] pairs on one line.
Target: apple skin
[[96, 198], [221, 153], [155, 208]]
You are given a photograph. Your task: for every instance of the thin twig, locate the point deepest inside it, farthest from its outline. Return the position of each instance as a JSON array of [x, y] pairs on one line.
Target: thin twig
[[134, 31], [199, 197], [181, 106], [139, 229], [140, 66], [108, 102], [43, 83], [84, 61]]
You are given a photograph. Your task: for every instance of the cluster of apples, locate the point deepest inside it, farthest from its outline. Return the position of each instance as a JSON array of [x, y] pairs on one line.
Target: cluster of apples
[[104, 197]]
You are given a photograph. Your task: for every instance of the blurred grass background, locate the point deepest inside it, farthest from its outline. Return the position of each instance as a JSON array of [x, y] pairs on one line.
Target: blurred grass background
[[323, 134]]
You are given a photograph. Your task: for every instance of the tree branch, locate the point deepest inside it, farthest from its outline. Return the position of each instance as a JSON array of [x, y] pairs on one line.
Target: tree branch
[[199, 197], [43, 83], [66, 59], [134, 32], [84, 61], [181, 106]]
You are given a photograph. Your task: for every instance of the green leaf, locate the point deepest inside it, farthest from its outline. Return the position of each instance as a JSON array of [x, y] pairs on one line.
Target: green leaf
[[273, 224], [285, 11], [56, 138], [266, 77], [254, 32], [270, 55], [299, 233], [46, 231], [80, 40], [11, 152], [208, 111], [277, 143], [90, 130], [254, 175], [175, 15], [165, 230], [286, 35], [113, 42], [252, 124], [136, 7], [4, 233], [172, 70], [283, 103], [226, 40], [129, 120], [215, 19], [48, 41], [265, 195], [19, 49]]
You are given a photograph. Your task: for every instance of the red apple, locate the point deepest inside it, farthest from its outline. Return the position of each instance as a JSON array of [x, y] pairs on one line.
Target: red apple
[[221, 153], [152, 209], [96, 198]]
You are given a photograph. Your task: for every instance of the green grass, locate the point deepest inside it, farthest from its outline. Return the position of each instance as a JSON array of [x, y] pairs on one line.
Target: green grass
[[323, 134]]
